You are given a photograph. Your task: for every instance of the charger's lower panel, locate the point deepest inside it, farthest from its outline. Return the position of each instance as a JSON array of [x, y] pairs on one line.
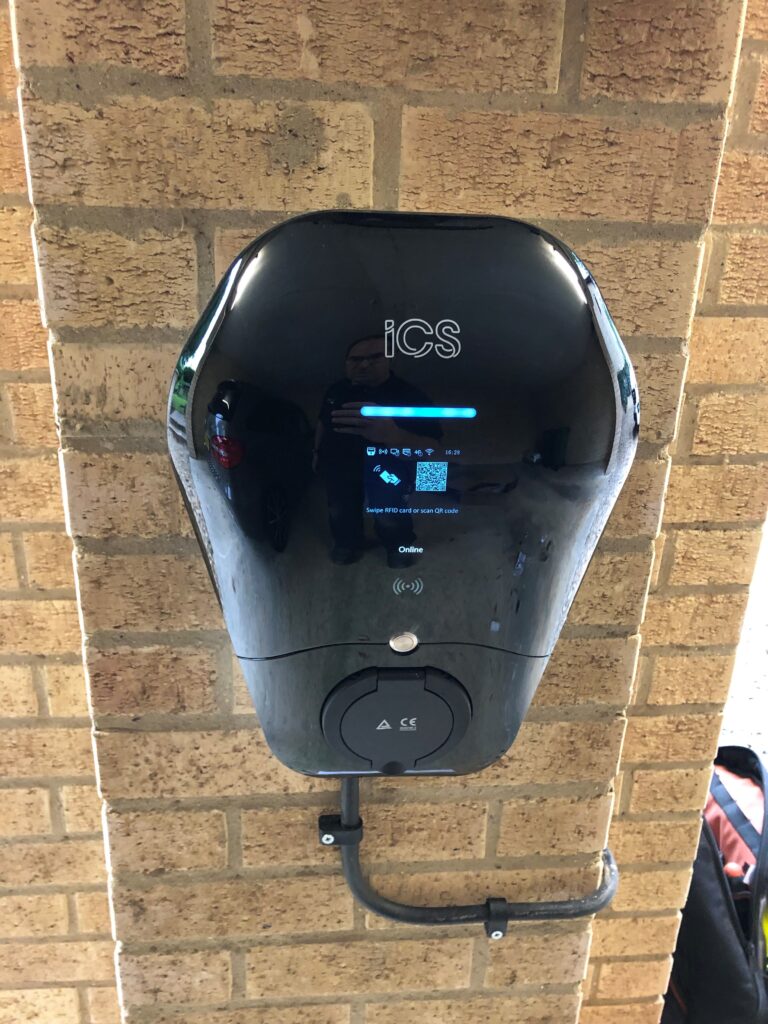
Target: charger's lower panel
[[290, 694]]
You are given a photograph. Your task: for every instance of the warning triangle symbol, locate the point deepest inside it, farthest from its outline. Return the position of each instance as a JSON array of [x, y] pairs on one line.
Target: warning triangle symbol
[[383, 724]]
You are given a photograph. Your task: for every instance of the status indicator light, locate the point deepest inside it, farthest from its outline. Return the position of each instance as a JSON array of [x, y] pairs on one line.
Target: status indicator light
[[420, 412]]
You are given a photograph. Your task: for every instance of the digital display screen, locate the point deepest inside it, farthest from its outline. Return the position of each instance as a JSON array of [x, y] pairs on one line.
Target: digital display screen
[[410, 481]]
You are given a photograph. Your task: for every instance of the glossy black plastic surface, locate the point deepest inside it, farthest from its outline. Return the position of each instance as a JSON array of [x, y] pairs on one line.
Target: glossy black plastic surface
[[395, 720], [466, 514]]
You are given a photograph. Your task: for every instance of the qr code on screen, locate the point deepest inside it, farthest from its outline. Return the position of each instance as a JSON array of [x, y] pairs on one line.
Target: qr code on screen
[[431, 476]]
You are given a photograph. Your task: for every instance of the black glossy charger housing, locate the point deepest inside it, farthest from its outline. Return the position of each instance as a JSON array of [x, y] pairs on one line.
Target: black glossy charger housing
[[491, 322]]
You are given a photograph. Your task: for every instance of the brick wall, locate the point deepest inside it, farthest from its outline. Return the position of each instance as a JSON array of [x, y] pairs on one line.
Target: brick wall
[[56, 956], [714, 511], [160, 139]]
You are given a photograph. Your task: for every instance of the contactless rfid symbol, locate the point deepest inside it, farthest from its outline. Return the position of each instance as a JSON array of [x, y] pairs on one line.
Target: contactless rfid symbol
[[401, 586]]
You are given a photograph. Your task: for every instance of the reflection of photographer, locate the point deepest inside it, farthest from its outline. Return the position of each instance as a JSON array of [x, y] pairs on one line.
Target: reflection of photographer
[[341, 438]]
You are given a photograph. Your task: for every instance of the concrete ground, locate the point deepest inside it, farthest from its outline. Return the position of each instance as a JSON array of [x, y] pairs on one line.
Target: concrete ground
[[746, 713]]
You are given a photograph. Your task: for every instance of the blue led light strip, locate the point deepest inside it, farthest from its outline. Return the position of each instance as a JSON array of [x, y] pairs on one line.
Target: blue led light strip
[[425, 412]]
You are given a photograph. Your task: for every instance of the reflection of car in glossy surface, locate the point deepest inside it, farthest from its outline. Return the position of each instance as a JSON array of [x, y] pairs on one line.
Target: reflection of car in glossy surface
[[260, 454]]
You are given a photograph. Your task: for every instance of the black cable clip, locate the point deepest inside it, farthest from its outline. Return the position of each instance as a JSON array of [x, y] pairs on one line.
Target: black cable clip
[[498, 918], [333, 833]]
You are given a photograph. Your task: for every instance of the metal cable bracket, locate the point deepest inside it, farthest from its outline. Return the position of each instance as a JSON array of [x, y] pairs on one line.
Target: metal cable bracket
[[345, 830]]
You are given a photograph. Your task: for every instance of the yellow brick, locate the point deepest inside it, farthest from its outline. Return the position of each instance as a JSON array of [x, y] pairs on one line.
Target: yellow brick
[[225, 154], [82, 808], [148, 37], [588, 984], [93, 913], [49, 560], [656, 842], [679, 789], [713, 557], [402, 46], [643, 891], [240, 908], [543, 1009], [756, 25], [392, 833], [742, 192], [671, 738], [155, 841], [9, 577], [594, 671], [17, 692], [37, 916], [304, 1014], [36, 1006], [23, 346], [40, 627], [100, 278], [31, 407], [637, 513], [713, 494], [533, 955], [297, 829], [16, 264], [731, 424], [660, 381], [31, 752], [544, 165], [112, 382], [69, 861], [635, 1013], [126, 680], [6, 428], [103, 1006], [30, 490], [759, 117], [559, 752], [659, 547], [553, 826], [7, 70], [66, 690], [694, 619], [633, 979], [135, 765], [633, 936], [174, 977], [619, 782], [24, 812], [367, 968], [690, 679], [152, 593], [57, 962], [663, 51], [729, 350], [123, 495], [745, 274], [13, 179], [647, 284], [613, 590]]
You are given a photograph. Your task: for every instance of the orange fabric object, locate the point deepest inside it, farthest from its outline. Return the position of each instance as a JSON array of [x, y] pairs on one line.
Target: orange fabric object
[[749, 797]]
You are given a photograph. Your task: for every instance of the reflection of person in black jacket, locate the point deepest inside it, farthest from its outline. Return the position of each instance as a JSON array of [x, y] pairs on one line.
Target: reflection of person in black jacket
[[340, 440]]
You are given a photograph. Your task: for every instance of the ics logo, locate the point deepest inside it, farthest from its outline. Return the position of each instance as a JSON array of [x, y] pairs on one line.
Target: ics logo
[[414, 337]]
